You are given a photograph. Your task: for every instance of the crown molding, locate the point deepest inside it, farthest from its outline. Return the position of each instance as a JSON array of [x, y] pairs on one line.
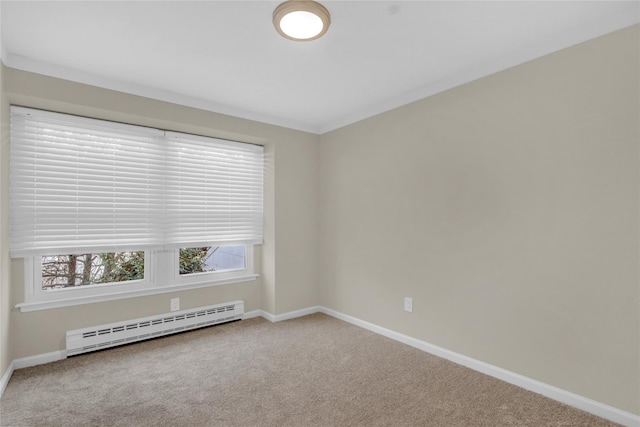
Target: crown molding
[[39, 67], [625, 18]]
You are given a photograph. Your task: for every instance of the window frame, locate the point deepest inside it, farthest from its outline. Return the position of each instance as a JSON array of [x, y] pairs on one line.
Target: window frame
[[162, 275], [34, 292], [208, 276]]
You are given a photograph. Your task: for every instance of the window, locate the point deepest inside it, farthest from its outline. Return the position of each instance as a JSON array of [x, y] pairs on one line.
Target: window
[[66, 271], [59, 280], [101, 209], [211, 258]]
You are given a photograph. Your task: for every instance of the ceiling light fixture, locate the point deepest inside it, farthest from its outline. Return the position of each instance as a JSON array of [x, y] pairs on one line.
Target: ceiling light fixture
[[301, 20]]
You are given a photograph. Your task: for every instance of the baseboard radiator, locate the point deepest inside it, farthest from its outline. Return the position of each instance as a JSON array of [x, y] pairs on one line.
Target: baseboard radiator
[[114, 334]]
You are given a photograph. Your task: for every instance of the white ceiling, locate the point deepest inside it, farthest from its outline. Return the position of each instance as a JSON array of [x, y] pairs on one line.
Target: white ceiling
[[225, 56]]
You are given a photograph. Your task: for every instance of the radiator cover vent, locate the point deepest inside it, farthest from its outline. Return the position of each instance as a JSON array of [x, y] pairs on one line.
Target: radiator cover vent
[[113, 334]]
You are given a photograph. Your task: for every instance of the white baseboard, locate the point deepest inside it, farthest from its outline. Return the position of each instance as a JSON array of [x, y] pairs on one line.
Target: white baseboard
[[26, 362], [588, 405], [284, 316], [39, 359], [253, 313], [6, 377], [297, 313]]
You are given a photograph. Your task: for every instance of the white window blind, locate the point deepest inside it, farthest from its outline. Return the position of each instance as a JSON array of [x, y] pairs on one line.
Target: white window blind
[[213, 192], [83, 185]]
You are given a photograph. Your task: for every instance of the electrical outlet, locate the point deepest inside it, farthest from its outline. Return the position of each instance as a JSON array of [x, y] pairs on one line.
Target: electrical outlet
[[408, 304], [175, 304]]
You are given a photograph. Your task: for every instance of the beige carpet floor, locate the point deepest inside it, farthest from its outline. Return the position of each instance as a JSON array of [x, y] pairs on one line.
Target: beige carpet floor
[[310, 371]]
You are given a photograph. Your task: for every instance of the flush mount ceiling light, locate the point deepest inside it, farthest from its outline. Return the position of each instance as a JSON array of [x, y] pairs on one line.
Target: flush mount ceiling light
[[301, 20]]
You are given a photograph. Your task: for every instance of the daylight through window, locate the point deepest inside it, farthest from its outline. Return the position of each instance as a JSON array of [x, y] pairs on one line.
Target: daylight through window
[[211, 258], [97, 203], [65, 271]]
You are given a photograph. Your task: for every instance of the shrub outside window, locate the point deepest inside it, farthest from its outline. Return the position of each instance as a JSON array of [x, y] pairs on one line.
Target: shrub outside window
[[108, 210], [209, 259], [66, 271]]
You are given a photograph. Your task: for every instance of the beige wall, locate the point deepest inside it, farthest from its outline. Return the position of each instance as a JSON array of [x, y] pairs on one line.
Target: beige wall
[[5, 288], [285, 261], [297, 179], [508, 209]]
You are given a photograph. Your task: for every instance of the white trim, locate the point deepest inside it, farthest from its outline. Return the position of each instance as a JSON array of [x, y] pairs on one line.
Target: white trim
[[34, 66], [296, 313], [34, 294], [622, 19], [253, 313], [6, 377], [594, 407], [589, 405], [44, 305], [577, 401], [270, 317], [284, 316], [171, 257], [40, 359], [26, 362]]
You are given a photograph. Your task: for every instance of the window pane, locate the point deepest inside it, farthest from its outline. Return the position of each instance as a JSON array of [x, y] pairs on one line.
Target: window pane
[[64, 271], [211, 258]]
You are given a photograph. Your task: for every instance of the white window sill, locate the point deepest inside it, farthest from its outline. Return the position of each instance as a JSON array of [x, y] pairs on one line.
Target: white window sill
[[44, 305]]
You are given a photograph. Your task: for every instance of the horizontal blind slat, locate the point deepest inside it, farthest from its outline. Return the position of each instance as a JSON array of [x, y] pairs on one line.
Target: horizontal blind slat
[[80, 183]]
